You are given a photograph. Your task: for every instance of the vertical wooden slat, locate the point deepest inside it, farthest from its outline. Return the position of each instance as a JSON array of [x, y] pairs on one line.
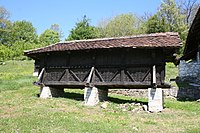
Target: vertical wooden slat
[[154, 75], [122, 75]]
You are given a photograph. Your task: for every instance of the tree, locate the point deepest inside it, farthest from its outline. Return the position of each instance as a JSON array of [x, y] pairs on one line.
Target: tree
[[155, 24], [56, 28], [23, 31], [174, 19], [48, 37], [83, 30], [189, 8], [172, 14], [5, 26], [120, 25]]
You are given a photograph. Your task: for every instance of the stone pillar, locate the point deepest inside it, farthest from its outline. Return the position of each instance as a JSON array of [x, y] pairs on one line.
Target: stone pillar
[[93, 95], [155, 99], [49, 92]]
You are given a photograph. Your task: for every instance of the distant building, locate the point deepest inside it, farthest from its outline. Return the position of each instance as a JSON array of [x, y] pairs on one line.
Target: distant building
[[189, 66]]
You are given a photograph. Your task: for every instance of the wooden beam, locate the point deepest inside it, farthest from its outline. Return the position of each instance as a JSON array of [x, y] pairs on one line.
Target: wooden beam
[[116, 73], [67, 74], [129, 75], [122, 75], [99, 75], [90, 76], [62, 75], [162, 75], [74, 75], [86, 76], [146, 74], [154, 75], [41, 75]]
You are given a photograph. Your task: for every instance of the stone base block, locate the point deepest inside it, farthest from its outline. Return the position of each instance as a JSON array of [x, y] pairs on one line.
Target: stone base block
[[155, 99], [93, 95], [49, 92]]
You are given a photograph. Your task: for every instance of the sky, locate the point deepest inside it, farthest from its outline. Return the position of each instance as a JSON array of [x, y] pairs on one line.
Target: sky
[[43, 13]]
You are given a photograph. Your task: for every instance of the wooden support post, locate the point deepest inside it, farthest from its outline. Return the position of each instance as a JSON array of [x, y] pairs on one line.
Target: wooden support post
[[122, 75], [154, 76], [90, 77], [93, 95], [41, 74]]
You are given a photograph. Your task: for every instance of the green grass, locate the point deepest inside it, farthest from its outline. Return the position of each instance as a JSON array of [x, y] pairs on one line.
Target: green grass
[[171, 73], [21, 110]]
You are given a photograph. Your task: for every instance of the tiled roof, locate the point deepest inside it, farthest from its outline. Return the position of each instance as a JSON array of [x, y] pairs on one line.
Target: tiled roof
[[167, 40]]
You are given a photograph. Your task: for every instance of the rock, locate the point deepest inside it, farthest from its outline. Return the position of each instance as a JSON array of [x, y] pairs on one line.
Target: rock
[[135, 109], [104, 105], [135, 128], [124, 110], [198, 100], [137, 104]]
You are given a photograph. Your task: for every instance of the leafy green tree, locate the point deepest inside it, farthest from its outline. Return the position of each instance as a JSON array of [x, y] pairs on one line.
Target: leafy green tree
[[120, 25], [172, 14], [24, 31], [48, 37], [83, 30], [174, 19], [155, 24]]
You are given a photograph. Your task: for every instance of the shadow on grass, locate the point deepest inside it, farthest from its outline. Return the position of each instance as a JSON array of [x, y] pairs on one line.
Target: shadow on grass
[[70, 95], [122, 101], [80, 97], [74, 96]]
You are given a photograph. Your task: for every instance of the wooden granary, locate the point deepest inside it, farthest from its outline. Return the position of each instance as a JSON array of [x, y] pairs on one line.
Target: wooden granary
[[121, 62]]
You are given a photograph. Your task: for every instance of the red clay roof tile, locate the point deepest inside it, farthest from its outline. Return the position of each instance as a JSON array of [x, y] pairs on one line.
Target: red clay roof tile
[[167, 40]]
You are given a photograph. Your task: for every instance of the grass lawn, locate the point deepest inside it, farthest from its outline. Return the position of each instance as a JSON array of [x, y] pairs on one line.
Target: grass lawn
[[22, 111]]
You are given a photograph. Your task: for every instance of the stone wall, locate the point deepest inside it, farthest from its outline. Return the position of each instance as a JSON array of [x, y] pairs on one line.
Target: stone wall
[[189, 71], [188, 92], [143, 93]]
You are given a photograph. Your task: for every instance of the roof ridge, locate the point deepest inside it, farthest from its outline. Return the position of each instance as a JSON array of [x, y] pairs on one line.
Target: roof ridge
[[123, 37]]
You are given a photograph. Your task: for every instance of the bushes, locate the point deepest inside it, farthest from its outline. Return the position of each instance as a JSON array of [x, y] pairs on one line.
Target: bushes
[[15, 51], [5, 53]]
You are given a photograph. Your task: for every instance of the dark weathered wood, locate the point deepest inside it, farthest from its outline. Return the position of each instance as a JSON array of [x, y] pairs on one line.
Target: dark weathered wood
[[122, 75], [90, 76], [99, 75], [146, 74], [154, 75], [116, 73], [129, 75], [74, 75], [114, 68], [62, 75], [40, 77]]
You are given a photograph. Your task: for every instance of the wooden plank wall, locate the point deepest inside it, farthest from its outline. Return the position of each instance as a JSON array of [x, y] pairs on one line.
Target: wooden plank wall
[[111, 67]]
